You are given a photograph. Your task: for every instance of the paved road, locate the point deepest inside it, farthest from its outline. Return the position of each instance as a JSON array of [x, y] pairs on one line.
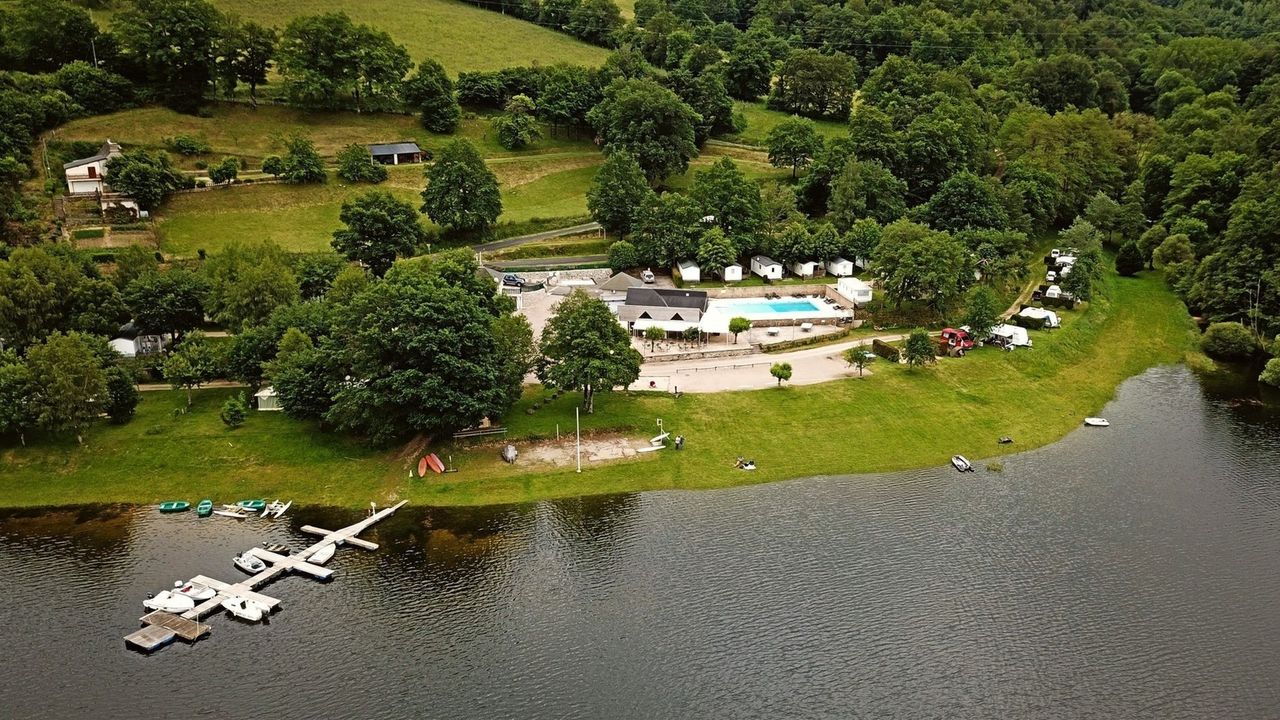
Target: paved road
[[535, 237], [555, 262]]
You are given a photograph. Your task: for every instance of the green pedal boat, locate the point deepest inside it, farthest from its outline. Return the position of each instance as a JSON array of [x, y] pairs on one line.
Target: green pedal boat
[[173, 506], [252, 505]]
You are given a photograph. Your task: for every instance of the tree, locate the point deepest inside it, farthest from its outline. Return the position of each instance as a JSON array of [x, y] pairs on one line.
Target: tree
[[316, 273], [623, 256], [356, 165], [234, 411], [706, 95], [273, 165], [815, 84], [1174, 250], [317, 58], [857, 357], [738, 325], [1105, 214], [96, 90], [515, 346], [919, 349], [618, 193], [793, 143], [866, 189], [169, 302], [145, 176], [301, 163], [379, 228], [173, 43], [653, 335], [68, 381], [1129, 260], [724, 193], [516, 126], [749, 71], [916, 263], [247, 283], [781, 371], [1151, 239], [966, 201], [48, 34], [793, 244], [461, 191], [1229, 341], [1271, 373], [584, 348], [716, 252], [668, 230], [251, 54], [122, 396], [193, 363], [225, 171], [1084, 273], [982, 313], [18, 412], [648, 121], [430, 92], [595, 21]]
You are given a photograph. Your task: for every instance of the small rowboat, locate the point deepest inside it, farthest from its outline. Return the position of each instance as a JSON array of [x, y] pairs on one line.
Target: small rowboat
[[961, 463], [204, 508], [173, 506], [252, 505], [322, 555], [249, 563], [1097, 422]]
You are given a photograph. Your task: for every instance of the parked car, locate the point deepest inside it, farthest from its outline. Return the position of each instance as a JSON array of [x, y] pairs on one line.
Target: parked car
[[1051, 276], [958, 342], [513, 280], [647, 276]]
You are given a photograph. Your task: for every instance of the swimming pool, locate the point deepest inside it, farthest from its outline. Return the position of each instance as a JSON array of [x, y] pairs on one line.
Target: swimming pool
[[772, 307]]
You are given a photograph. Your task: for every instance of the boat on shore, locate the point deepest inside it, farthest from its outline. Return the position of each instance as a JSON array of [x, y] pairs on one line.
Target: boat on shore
[[244, 608], [961, 463], [249, 563], [1097, 422], [227, 511], [252, 505], [169, 602], [173, 506], [204, 508]]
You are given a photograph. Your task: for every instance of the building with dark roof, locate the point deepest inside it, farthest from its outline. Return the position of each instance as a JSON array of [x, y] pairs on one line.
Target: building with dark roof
[[86, 176], [669, 308], [397, 153]]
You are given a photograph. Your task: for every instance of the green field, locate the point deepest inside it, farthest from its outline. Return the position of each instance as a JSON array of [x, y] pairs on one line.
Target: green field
[[891, 420], [760, 120]]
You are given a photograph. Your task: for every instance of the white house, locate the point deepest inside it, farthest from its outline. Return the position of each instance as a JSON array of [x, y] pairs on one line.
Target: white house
[[85, 176], [732, 273], [839, 267], [1050, 317], [855, 290], [268, 400], [766, 267], [1012, 334], [805, 268], [689, 271]]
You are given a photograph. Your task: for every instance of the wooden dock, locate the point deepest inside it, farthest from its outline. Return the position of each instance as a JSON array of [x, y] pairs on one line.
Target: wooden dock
[[161, 628]]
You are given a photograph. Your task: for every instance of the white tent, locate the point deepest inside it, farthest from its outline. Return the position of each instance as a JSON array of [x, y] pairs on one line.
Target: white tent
[[125, 347], [1053, 292], [1050, 317], [766, 267], [1016, 336], [268, 400], [855, 290], [732, 273], [689, 271], [840, 267]]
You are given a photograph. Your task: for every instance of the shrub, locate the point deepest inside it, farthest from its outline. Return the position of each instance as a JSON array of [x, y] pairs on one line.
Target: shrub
[[892, 353], [623, 256], [1129, 260], [781, 371], [920, 348], [355, 165], [187, 145], [234, 411], [1228, 341], [1271, 373]]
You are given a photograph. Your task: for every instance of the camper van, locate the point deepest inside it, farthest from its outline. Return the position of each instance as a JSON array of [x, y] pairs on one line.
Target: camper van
[[1010, 336]]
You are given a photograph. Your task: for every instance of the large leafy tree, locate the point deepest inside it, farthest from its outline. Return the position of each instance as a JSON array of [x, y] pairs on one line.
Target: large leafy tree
[[169, 302], [595, 21], [355, 165], [18, 411], [584, 348], [250, 52], [247, 283], [48, 34], [422, 358], [749, 71], [174, 43], [317, 57], [50, 287], [966, 201], [722, 191], [793, 143], [144, 175], [619, 192], [69, 382], [650, 122], [462, 192], [716, 251], [919, 264], [982, 311], [379, 228], [668, 230], [815, 84], [866, 189], [429, 91], [516, 126], [193, 363], [301, 162]]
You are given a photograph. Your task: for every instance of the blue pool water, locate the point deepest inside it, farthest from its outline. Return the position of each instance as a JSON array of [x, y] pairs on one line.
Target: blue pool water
[[769, 307]]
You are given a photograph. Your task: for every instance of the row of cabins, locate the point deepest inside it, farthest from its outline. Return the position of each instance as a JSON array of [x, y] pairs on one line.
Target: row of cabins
[[770, 269]]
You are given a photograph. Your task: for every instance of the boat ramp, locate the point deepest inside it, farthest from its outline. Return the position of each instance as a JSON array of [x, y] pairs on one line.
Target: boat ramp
[[160, 628]]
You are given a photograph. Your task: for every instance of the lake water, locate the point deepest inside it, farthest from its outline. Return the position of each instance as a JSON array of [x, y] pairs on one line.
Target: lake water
[[1128, 572]]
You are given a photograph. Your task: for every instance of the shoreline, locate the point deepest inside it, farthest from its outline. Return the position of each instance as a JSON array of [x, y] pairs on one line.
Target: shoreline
[[897, 419]]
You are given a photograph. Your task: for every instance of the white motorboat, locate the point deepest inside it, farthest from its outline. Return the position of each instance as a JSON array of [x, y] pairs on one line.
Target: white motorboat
[[961, 463], [249, 563], [322, 555], [169, 602], [1097, 422], [281, 510], [194, 590], [237, 514], [244, 608]]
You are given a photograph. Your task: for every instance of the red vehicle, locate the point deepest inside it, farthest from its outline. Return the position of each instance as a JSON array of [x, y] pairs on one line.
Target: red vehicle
[[957, 341]]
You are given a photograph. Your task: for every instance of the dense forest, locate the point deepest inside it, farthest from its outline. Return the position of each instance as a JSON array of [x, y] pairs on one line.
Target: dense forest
[[974, 132]]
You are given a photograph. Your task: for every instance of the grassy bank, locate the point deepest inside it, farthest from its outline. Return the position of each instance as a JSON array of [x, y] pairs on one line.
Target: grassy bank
[[892, 420]]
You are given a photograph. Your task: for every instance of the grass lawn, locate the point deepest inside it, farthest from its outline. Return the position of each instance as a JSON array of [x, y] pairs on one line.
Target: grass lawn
[[760, 120], [891, 420], [559, 247]]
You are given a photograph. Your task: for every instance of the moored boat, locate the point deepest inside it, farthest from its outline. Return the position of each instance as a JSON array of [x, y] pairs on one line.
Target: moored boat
[[173, 506], [1097, 422], [281, 510], [252, 505], [237, 514], [244, 608], [169, 602], [961, 463], [204, 508], [249, 563], [194, 590], [322, 555]]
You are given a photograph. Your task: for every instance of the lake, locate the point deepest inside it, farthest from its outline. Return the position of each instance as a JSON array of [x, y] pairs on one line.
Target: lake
[[1125, 572]]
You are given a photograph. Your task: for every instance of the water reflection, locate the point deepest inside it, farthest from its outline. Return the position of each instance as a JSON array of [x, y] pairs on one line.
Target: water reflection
[[1128, 572]]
